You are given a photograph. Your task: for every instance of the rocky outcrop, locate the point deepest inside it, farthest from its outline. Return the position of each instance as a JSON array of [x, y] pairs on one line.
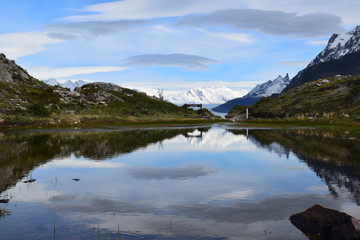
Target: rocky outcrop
[[10, 72], [329, 223]]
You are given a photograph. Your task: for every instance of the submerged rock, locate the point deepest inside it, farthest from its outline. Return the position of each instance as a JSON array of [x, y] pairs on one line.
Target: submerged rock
[[29, 181], [329, 223]]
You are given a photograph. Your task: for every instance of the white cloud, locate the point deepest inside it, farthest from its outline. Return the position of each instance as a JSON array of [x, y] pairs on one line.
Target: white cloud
[[47, 72], [347, 10], [321, 42], [89, 29], [238, 37], [146, 9], [20, 44], [189, 62], [269, 22]]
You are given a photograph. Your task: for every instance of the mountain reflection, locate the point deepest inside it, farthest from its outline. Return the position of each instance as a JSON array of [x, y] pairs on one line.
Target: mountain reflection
[[333, 155], [24, 151]]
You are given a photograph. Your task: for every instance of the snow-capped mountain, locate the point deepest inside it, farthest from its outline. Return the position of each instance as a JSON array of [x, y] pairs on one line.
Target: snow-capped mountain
[[340, 57], [68, 84], [204, 95], [270, 87], [52, 82], [262, 90], [73, 84], [338, 46]]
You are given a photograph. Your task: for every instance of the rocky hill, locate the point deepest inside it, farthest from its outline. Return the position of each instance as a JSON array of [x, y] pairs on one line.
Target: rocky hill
[[335, 97], [25, 99], [340, 57]]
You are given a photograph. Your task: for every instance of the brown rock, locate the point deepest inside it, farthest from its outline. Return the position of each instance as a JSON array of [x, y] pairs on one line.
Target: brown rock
[[329, 223]]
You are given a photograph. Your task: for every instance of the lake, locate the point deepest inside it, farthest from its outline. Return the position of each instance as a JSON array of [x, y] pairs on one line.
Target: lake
[[220, 181]]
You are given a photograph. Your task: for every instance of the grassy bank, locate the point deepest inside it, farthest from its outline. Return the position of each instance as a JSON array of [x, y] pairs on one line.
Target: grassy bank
[[295, 122], [69, 120]]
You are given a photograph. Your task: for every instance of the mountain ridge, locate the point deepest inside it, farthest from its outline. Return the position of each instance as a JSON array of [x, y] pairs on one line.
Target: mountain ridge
[[266, 89]]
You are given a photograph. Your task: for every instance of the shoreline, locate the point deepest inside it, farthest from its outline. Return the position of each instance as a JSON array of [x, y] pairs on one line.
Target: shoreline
[[84, 122]]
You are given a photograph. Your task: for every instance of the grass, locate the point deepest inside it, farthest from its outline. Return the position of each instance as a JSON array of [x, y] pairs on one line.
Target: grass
[[296, 122], [4, 212]]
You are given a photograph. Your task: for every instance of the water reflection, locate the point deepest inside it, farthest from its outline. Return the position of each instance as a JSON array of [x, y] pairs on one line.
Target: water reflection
[[24, 151], [222, 182], [178, 173], [334, 156]]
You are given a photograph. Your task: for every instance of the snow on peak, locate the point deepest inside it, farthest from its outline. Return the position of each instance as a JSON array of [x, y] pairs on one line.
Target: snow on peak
[[68, 84], [52, 82], [338, 46], [205, 95], [270, 87]]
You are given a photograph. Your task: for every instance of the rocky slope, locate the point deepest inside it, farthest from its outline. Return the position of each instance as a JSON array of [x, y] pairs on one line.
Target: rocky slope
[[10, 72], [340, 57], [262, 90]]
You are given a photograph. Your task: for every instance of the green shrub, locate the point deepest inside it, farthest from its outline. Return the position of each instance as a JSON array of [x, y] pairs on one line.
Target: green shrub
[[38, 110]]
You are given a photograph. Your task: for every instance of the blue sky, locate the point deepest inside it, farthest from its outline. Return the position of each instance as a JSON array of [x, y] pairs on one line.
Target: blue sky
[[170, 44]]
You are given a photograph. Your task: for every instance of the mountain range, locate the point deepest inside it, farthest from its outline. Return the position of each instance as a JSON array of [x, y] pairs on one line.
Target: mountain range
[[266, 89], [214, 94], [68, 84]]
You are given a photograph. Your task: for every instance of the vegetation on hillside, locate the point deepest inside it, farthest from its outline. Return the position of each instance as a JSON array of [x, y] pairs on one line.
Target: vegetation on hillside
[[331, 98], [237, 112]]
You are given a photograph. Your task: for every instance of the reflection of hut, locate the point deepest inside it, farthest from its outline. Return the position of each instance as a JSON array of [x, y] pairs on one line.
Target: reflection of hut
[[196, 134]]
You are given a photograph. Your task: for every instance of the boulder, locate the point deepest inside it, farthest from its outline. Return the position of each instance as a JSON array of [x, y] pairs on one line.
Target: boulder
[[329, 223]]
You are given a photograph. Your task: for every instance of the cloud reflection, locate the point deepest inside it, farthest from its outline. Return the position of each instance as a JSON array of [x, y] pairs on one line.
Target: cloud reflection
[[177, 173], [81, 163], [275, 208]]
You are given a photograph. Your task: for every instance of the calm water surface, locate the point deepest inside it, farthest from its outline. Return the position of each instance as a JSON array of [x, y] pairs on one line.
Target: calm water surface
[[209, 182]]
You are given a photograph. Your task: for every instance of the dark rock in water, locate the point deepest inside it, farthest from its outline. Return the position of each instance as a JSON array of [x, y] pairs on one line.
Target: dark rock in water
[[30, 181], [4, 200], [76, 179], [329, 223]]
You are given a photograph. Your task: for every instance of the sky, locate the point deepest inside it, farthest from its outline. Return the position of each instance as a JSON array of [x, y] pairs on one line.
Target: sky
[[170, 44]]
